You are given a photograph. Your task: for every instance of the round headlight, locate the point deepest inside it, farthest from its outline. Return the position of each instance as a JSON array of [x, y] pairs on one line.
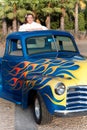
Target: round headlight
[[60, 88]]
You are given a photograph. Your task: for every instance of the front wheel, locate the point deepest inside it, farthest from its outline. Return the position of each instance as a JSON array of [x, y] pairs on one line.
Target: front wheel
[[41, 114]]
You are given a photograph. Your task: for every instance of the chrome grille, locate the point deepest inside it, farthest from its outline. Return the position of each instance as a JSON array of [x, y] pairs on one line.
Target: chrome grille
[[76, 98]]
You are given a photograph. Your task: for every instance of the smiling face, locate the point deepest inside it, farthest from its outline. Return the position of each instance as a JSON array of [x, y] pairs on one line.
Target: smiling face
[[30, 18]]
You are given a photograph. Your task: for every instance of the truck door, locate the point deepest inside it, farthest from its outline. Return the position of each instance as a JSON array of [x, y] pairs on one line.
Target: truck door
[[12, 65]]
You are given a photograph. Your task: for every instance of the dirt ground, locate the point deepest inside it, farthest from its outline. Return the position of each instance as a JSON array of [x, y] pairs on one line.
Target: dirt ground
[[7, 114], [7, 109]]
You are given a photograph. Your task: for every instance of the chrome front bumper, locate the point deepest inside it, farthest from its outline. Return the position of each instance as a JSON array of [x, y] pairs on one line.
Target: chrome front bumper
[[70, 113]]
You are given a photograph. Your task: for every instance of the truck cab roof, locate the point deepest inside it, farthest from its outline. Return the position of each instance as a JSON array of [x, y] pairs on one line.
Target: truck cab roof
[[38, 33]]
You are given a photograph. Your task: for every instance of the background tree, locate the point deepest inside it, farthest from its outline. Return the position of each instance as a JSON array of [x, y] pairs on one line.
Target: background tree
[[3, 16], [81, 21], [48, 10], [55, 14], [76, 16], [14, 7], [63, 7], [85, 15]]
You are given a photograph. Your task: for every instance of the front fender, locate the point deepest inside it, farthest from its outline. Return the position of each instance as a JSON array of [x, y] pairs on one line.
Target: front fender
[[46, 88]]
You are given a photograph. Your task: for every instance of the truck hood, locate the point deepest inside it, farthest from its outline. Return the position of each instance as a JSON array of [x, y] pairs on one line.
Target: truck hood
[[74, 68]]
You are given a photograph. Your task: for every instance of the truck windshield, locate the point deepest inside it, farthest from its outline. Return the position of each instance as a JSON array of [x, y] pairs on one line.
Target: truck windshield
[[50, 43]]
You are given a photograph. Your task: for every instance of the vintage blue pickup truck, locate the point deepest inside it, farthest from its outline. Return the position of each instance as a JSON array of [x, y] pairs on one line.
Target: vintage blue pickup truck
[[44, 68]]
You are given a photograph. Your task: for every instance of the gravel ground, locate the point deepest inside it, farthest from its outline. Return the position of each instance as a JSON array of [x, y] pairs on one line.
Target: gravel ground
[[75, 123], [7, 110]]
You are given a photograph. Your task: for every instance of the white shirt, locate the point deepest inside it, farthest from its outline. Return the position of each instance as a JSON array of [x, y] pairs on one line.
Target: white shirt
[[31, 27]]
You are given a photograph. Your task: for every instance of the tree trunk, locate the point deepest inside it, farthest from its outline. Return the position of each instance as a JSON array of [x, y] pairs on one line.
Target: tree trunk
[[4, 26], [48, 22], [62, 23], [62, 19], [14, 25], [76, 18]]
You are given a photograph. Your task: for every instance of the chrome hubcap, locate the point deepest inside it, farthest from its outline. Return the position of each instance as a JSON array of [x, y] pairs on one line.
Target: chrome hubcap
[[37, 109]]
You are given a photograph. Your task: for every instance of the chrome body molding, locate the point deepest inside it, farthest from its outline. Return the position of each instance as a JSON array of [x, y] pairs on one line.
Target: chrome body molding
[[70, 113]]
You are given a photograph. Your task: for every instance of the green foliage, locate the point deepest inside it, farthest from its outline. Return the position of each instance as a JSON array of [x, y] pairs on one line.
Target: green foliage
[[10, 15], [69, 23], [21, 14], [47, 10], [57, 9], [11, 9], [81, 21], [54, 25], [85, 15]]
